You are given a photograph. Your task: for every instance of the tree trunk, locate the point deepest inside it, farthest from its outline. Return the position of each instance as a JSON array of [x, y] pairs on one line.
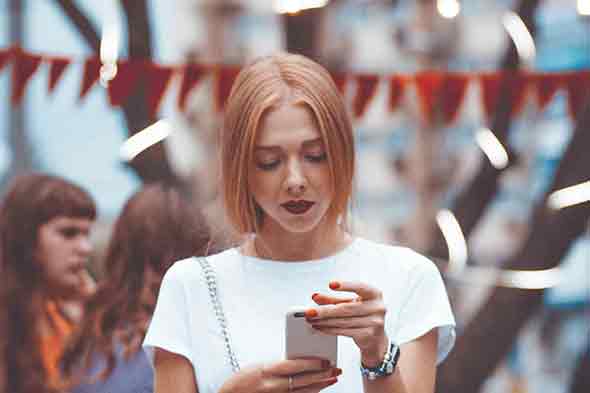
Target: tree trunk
[[581, 378], [301, 32], [18, 141], [488, 338], [152, 164]]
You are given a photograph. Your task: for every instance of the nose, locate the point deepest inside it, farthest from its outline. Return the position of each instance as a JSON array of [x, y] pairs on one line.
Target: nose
[[296, 182], [85, 245]]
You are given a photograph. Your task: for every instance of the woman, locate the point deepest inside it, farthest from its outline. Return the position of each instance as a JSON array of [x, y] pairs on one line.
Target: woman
[[45, 225], [157, 226], [287, 155]]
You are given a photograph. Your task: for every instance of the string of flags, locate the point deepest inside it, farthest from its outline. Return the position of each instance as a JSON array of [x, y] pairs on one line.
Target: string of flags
[[440, 94]]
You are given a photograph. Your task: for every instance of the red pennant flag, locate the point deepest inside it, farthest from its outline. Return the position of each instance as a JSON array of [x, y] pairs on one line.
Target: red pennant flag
[[578, 89], [157, 81], [451, 94], [23, 69], [191, 76], [90, 75], [366, 86], [57, 66], [339, 79], [546, 85], [491, 84], [122, 85], [225, 80], [428, 85], [396, 91], [5, 56]]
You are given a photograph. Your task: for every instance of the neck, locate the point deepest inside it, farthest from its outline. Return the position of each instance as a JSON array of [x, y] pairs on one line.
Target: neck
[[316, 244]]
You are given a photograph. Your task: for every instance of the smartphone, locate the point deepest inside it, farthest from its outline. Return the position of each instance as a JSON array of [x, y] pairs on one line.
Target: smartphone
[[302, 341]]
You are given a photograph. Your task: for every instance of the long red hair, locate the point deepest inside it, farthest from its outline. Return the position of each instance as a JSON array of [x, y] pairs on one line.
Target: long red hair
[[157, 227]]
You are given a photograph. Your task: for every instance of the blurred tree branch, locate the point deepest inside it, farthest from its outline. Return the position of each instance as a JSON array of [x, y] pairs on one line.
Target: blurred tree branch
[[581, 377], [488, 338], [470, 205], [152, 164]]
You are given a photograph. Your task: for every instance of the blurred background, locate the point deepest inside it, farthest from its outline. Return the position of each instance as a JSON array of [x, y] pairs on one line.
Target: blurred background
[[473, 128]]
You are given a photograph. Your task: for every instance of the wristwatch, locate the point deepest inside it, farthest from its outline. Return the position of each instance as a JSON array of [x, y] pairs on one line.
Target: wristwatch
[[387, 366]]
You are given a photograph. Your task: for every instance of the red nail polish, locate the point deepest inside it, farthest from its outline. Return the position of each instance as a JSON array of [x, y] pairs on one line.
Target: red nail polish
[[314, 295], [311, 313], [336, 372], [334, 285], [331, 381]]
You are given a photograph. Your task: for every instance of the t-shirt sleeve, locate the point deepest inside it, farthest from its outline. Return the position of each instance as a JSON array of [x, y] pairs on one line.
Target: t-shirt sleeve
[[426, 307], [169, 327]]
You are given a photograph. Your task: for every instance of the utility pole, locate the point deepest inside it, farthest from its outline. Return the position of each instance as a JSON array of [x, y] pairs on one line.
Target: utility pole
[[17, 140]]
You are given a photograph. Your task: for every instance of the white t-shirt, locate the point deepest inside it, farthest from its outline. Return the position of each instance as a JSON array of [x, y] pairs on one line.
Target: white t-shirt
[[256, 294]]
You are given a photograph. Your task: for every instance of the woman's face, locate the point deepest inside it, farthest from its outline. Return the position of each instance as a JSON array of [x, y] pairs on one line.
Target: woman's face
[[63, 249], [290, 176]]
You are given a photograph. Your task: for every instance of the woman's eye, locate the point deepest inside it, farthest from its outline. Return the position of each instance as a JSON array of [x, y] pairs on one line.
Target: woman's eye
[[69, 233], [267, 166], [316, 157]]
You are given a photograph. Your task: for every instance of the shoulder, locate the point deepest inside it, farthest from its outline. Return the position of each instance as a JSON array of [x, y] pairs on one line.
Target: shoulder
[[189, 269], [395, 259]]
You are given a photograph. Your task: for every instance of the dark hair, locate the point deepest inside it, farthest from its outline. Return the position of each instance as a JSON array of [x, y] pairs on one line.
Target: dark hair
[[31, 201], [157, 227]]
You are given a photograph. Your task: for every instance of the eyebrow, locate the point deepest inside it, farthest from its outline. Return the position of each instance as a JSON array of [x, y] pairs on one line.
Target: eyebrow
[[305, 144]]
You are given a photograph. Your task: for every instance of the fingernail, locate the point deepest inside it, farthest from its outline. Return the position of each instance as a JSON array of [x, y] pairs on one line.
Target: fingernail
[[336, 372], [331, 381], [311, 313], [334, 285], [314, 295], [325, 363]]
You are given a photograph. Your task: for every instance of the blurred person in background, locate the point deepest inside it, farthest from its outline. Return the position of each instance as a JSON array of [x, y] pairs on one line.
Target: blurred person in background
[[45, 224], [158, 225]]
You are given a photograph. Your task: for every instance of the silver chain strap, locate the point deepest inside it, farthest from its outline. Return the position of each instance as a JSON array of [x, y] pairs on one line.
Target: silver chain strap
[[210, 279]]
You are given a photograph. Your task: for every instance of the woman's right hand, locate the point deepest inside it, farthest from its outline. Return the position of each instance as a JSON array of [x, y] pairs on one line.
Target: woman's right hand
[[305, 375]]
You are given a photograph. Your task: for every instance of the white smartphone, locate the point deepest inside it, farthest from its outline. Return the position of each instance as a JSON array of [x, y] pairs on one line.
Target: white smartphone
[[302, 341]]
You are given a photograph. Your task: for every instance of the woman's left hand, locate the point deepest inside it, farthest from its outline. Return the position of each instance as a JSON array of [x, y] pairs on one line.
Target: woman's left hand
[[361, 318]]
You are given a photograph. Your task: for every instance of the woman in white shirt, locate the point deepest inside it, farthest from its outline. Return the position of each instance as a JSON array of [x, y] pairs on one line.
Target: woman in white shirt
[[287, 164]]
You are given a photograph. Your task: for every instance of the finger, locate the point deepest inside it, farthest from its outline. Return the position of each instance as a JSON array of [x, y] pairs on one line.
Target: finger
[[347, 332], [295, 366], [322, 299], [350, 323], [365, 291], [315, 388], [344, 310], [307, 379]]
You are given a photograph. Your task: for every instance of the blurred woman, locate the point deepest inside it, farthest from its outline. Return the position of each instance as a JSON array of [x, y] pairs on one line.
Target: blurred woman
[[45, 223], [158, 226]]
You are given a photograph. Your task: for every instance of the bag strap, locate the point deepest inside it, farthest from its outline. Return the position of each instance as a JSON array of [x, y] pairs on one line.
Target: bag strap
[[211, 280]]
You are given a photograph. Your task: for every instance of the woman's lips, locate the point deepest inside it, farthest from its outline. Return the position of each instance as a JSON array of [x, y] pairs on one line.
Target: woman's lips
[[297, 207]]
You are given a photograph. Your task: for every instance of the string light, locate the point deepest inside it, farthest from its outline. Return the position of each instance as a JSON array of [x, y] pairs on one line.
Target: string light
[[145, 139], [569, 196], [448, 8], [295, 6], [109, 53], [455, 239], [583, 7], [492, 148], [521, 36]]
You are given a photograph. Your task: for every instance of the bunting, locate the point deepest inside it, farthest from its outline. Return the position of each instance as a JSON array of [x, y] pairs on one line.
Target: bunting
[[440, 94], [57, 66]]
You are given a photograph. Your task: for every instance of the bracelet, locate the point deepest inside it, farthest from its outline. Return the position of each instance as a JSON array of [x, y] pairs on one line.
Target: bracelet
[[387, 366]]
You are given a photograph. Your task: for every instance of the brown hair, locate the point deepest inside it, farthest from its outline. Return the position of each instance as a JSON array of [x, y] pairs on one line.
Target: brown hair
[[157, 227], [31, 201], [265, 84]]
